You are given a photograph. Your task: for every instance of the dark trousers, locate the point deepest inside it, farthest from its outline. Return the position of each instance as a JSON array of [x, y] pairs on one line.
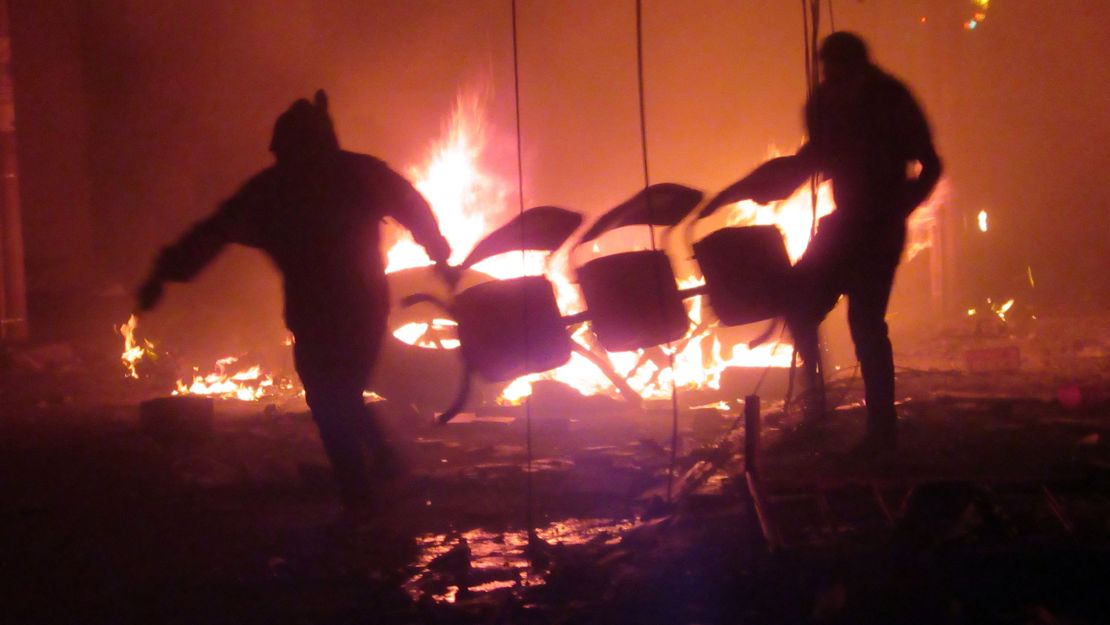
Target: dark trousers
[[859, 262], [334, 371]]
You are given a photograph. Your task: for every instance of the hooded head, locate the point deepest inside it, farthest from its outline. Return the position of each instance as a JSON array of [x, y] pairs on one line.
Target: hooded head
[[843, 56], [304, 132]]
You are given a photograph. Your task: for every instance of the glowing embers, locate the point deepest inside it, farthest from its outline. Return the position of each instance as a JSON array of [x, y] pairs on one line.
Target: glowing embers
[[1007, 318], [998, 310], [249, 384], [228, 380]]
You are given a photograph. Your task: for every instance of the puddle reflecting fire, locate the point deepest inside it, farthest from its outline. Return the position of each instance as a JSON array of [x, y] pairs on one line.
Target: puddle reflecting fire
[[457, 565]]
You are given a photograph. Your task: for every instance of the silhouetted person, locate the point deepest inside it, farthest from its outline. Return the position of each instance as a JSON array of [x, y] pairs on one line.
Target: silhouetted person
[[868, 134], [316, 213]]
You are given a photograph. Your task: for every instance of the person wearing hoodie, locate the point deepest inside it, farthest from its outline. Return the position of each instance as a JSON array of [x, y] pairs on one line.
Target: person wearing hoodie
[[316, 213]]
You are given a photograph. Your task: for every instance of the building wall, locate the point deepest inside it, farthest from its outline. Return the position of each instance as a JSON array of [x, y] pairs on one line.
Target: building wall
[[51, 135]]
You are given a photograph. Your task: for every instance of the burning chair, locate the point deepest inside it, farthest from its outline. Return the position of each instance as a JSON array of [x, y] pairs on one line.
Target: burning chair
[[510, 328]]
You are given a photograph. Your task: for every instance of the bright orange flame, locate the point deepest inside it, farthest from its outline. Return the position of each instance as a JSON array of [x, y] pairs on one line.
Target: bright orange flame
[[133, 351], [465, 199], [1004, 308], [247, 385], [464, 196], [434, 334]]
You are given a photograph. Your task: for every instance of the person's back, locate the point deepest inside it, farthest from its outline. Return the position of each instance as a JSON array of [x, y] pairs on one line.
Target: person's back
[[320, 225], [863, 132]]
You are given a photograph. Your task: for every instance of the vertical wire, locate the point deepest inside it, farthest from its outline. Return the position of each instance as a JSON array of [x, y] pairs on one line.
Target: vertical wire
[[643, 106], [812, 70], [651, 227], [806, 55], [809, 45], [529, 495]]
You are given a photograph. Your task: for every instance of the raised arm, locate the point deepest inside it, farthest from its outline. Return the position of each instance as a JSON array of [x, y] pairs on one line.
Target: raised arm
[[405, 204], [186, 257], [774, 180]]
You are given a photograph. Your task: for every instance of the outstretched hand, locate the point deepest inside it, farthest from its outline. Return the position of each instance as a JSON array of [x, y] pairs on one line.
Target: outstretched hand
[[150, 293]]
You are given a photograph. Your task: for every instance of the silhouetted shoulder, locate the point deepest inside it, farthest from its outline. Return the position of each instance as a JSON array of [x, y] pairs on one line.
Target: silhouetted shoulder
[[891, 91], [381, 181], [255, 191], [365, 163]]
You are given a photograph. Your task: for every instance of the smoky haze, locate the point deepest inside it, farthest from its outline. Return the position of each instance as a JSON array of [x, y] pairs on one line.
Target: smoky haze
[[154, 111]]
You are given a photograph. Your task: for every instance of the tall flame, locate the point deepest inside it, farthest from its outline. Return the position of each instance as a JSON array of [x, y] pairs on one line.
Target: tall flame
[[133, 350], [464, 197], [467, 199]]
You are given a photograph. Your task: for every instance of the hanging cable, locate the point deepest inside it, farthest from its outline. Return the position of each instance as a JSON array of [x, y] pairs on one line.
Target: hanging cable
[[805, 43], [811, 21], [529, 520], [814, 74], [651, 229]]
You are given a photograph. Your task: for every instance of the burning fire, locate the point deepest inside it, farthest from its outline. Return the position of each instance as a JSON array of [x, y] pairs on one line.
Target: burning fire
[[793, 216], [247, 385], [133, 350], [464, 198], [468, 200], [434, 334]]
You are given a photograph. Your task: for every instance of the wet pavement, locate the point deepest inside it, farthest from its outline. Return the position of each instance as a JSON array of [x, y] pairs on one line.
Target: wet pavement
[[108, 524]]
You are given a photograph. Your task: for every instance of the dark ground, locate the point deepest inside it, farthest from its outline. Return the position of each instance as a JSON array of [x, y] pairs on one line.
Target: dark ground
[[995, 509]]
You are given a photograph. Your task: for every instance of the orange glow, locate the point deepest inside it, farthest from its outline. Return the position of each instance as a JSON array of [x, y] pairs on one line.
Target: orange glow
[[469, 202], [247, 385], [437, 334], [133, 351], [465, 198], [1003, 309]]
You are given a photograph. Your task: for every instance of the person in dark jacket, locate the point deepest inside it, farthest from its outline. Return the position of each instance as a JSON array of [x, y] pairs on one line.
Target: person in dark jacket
[[316, 213], [868, 134]]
